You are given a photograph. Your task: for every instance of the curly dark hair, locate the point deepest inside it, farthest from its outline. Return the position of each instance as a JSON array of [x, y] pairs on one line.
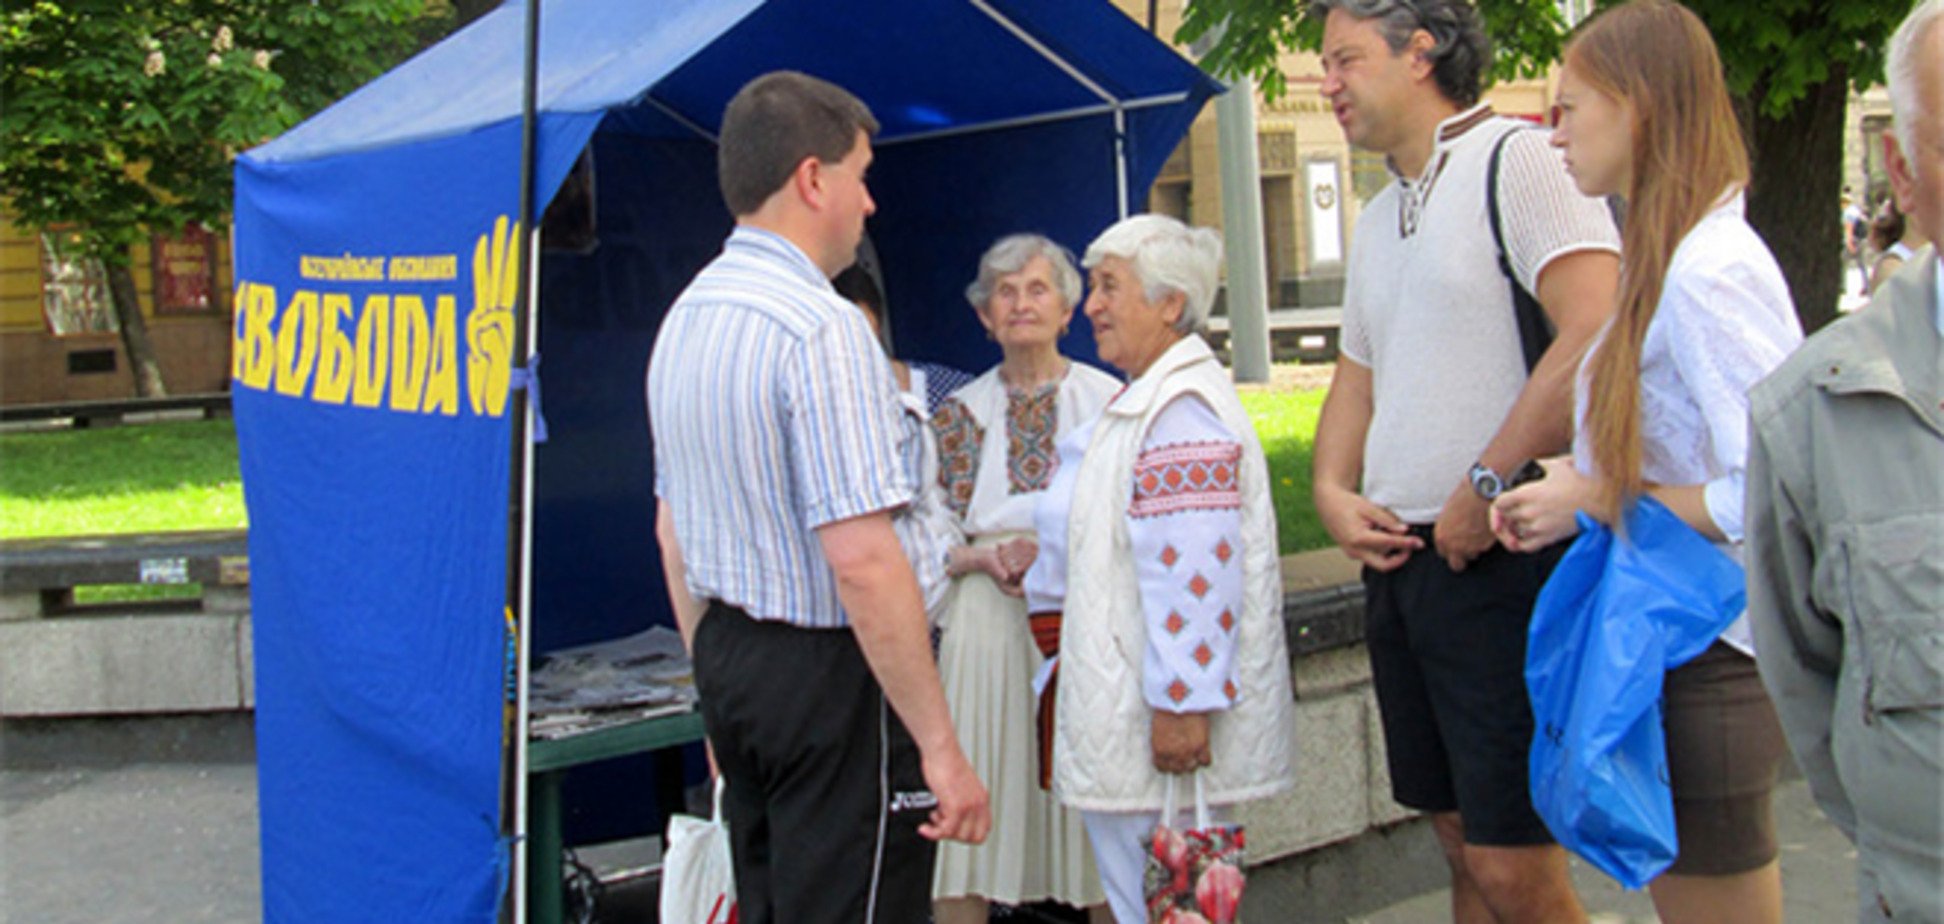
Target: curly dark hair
[[1462, 53]]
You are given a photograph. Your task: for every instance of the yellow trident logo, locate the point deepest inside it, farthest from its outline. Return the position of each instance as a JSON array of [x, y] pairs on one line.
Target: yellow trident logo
[[489, 327]]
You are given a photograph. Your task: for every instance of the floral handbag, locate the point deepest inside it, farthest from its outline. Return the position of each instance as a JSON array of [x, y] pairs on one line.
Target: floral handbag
[[1193, 876]]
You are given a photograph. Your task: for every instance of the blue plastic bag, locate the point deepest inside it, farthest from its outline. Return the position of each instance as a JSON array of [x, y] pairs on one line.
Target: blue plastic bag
[[1615, 616]]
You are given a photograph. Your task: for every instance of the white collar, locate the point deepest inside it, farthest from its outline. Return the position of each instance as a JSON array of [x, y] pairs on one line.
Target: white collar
[[1937, 304], [1414, 192]]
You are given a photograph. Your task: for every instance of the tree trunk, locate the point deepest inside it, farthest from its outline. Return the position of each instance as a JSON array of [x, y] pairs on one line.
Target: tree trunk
[[134, 331], [469, 10], [1797, 162]]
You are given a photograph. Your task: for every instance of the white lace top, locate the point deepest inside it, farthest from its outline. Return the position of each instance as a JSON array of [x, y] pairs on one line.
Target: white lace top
[[1725, 320]]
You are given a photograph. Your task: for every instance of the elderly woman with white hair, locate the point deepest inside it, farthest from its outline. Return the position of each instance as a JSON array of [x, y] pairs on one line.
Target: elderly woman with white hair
[[1158, 547], [996, 437]]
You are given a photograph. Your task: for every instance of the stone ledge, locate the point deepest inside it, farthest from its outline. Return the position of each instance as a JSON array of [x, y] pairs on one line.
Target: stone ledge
[[1322, 601], [108, 664], [38, 576]]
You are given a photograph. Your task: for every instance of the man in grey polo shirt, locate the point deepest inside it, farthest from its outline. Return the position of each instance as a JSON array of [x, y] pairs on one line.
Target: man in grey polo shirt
[[777, 471], [1432, 408]]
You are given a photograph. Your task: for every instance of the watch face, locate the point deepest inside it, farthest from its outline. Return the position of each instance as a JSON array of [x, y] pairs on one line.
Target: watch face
[[1485, 482]]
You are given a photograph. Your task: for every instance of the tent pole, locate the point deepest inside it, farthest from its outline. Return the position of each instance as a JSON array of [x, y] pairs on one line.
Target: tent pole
[[513, 763], [1093, 86], [1064, 115], [1120, 158]]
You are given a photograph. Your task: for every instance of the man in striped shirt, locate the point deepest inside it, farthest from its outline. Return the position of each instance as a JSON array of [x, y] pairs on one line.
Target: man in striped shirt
[[777, 473]]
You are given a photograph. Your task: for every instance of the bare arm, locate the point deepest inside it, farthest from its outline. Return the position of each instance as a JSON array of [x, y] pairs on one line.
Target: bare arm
[[1541, 513], [880, 595], [1576, 291], [688, 610], [1365, 531]]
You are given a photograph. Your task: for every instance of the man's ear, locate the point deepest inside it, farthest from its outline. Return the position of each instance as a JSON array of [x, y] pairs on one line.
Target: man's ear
[[1903, 179], [1419, 48], [807, 181]]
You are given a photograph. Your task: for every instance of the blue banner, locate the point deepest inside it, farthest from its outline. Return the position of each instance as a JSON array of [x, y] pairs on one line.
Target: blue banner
[[373, 359]]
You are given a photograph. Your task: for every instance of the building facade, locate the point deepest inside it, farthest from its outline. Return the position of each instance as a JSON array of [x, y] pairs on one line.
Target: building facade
[[1313, 183], [58, 336]]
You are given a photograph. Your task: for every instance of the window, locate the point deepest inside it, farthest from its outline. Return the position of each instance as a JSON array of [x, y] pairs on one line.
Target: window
[[74, 287], [184, 265], [1368, 175]]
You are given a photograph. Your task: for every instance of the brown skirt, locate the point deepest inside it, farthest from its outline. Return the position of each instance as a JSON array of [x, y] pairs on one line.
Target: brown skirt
[[1724, 751]]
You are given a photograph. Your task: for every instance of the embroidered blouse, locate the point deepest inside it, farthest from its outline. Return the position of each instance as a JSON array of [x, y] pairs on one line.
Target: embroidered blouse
[[996, 445], [1184, 524], [925, 527]]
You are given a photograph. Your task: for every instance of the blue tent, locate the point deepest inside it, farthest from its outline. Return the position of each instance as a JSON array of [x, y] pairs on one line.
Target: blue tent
[[376, 272]]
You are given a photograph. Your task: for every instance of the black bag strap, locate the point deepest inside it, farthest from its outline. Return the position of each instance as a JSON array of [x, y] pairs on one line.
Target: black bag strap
[[1535, 329]]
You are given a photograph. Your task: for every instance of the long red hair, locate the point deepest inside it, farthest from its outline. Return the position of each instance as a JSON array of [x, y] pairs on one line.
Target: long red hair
[[1657, 58]]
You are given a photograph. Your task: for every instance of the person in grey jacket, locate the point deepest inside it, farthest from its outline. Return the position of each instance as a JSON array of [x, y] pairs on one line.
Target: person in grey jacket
[[1846, 535]]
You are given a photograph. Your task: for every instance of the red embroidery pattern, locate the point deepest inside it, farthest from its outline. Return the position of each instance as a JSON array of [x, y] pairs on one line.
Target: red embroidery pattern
[[1030, 422], [1199, 586], [1187, 476], [1177, 690], [1227, 620], [1169, 556], [1224, 551], [959, 440], [1175, 623], [1203, 655], [1228, 687]]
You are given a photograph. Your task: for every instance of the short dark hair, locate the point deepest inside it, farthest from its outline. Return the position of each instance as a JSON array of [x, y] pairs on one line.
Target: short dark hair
[[855, 284], [1462, 52], [1888, 226], [773, 123]]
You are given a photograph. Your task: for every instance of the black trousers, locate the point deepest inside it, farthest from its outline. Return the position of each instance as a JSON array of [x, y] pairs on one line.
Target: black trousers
[[825, 791]]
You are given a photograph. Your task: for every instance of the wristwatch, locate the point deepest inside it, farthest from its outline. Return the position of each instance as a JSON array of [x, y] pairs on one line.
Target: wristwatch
[[1486, 483]]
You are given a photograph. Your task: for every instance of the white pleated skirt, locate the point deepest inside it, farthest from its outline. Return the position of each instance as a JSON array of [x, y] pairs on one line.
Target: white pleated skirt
[[1037, 850]]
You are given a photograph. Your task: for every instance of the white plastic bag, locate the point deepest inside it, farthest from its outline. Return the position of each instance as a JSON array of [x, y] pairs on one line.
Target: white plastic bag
[[698, 878]]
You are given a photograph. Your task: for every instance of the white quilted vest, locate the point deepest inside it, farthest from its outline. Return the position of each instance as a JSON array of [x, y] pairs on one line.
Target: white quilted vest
[[1103, 759]]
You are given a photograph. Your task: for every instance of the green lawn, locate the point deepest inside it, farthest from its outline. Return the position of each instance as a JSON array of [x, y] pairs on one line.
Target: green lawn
[[171, 476], [137, 478], [1285, 422]]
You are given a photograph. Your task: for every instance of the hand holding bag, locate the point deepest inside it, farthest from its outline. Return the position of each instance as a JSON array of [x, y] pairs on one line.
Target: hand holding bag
[[698, 876], [1614, 617], [1193, 876]]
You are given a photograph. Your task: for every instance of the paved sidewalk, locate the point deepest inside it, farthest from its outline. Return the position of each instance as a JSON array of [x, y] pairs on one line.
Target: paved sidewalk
[[168, 835], [1818, 876], [144, 821]]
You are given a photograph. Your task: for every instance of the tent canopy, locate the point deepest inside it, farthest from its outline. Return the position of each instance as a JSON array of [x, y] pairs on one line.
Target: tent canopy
[[375, 269], [925, 67]]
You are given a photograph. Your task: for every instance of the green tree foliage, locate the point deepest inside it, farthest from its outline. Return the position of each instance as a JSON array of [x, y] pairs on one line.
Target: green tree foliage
[[121, 117], [1790, 63]]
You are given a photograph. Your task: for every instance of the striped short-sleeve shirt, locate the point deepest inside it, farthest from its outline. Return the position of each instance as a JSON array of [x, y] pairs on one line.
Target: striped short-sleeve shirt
[[774, 412]]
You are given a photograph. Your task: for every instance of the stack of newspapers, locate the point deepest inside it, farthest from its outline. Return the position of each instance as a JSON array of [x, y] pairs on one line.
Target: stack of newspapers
[[614, 682]]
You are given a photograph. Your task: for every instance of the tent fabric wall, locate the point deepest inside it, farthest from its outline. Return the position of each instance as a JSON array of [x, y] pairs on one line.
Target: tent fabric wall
[[379, 533], [379, 496]]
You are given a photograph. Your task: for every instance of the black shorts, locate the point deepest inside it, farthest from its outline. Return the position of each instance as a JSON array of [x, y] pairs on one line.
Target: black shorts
[[1447, 658], [825, 790]]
